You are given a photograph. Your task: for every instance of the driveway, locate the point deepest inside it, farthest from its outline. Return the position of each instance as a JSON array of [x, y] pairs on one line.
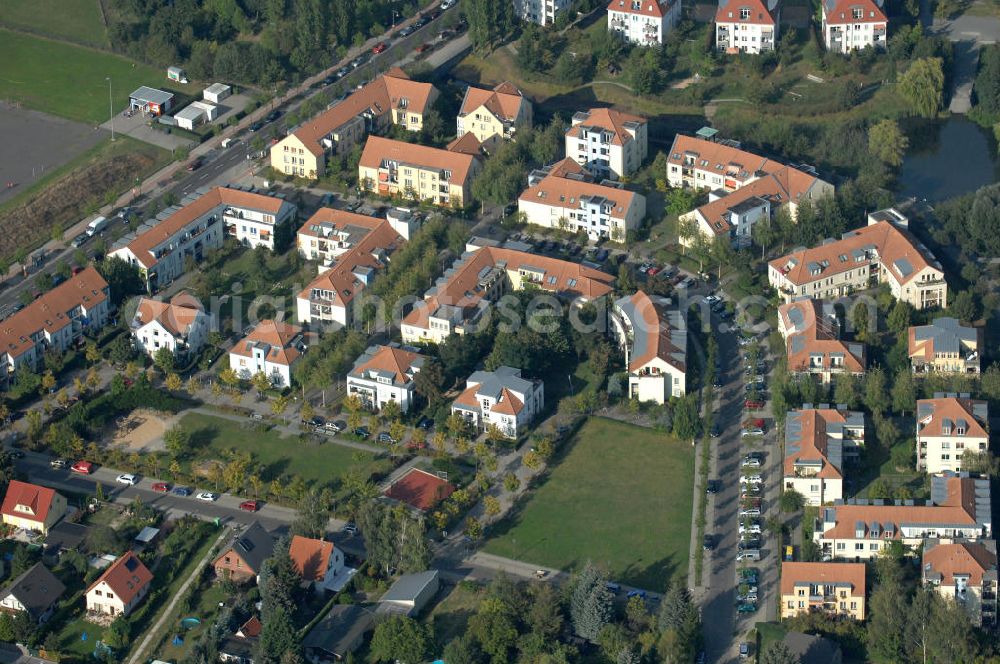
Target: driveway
[[967, 33]]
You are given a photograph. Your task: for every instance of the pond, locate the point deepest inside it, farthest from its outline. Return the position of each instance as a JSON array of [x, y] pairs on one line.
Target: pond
[[952, 158]]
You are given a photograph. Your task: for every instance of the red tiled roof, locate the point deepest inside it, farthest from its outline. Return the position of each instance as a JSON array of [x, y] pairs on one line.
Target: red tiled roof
[[841, 12], [793, 573], [971, 558], [48, 312], [251, 628], [653, 8], [175, 316], [658, 331], [508, 404], [310, 557], [815, 337], [813, 442], [378, 150], [37, 498], [467, 143], [949, 408], [610, 120], [393, 360], [276, 334], [126, 577], [420, 489], [504, 101], [729, 12], [556, 191]]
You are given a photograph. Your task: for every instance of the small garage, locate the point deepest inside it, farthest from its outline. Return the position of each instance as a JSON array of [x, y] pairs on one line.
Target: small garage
[[177, 74], [151, 101], [216, 92], [196, 113]]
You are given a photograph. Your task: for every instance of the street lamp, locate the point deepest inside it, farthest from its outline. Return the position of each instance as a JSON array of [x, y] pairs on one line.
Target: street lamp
[[111, 108]]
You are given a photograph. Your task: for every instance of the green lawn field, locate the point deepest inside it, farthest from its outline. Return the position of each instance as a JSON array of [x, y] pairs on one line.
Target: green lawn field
[[68, 80], [280, 456], [621, 496], [73, 20]]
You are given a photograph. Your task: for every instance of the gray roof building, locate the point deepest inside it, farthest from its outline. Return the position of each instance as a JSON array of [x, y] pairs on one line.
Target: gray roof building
[[338, 633], [410, 593], [36, 591]]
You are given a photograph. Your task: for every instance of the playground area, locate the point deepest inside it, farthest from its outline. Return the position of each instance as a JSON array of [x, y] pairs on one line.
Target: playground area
[[142, 430]]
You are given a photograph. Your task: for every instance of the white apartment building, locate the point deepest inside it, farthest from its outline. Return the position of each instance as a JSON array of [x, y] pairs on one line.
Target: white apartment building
[[542, 12], [852, 25], [493, 115], [644, 22], [608, 143], [653, 337], [945, 346], [948, 426], [857, 530], [965, 572], [180, 325], [500, 398], [352, 249], [813, 346], [271, 348], [747, 26], [817, 442], [54, 321], [260, 228], [162, 246], [862, 258], [565, 196], [385, 373]]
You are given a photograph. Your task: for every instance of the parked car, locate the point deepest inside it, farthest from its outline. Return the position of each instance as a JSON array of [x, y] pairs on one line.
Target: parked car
[[746, 608], [256, 126], [751, 462], [748, 554], [752, 528], [613, 587], [749, 511], [750, 404], [127, 478], [250, 505], [272, 116], [709, 542], [182, 491], [58, 463], [195, 164], [161, 487], [207, 496], [425, 423], [80, 240], [752, 479], [362, 432], [82, 467], [713, 486], [601, 255], [425, 47], [751, 490], [753, 423], [749, 543], [379, 48], [751, 432], [385, 438], [744, 650], [350, 528]]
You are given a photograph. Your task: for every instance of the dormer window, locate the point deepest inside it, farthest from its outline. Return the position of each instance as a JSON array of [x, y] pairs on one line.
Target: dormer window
[[858, 13], [744, 13]]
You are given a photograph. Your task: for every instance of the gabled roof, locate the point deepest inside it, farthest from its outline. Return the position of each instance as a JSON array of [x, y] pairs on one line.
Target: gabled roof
[[378, 151], [561, 192], [810, 439], [275, 339], [37, 589], [142, 246], [934, 415], [409, 586], [388, 361], [902, 256], [251, 628], [840, 12], [394, 89], [943, 335], [651, 8], [850, 576], [254, 545], [504, 101], [508, 404], [608, 119], [467, 143], [974, 560], [176, 316], [310, 557], [657, 333], [339, 630], [761, 11], [341, 280], [810, 333], [126, 577], [35, 500], [50, 311]]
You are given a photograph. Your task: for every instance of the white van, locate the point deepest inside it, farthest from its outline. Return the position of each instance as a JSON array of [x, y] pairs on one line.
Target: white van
[[96, 226]]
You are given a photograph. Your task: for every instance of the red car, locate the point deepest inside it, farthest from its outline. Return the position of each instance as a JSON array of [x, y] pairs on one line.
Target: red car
[[379, 47], [653, 271], [753, 423], [82, 467], [753, 405], [424, 48], [250, 505], [161, 487]]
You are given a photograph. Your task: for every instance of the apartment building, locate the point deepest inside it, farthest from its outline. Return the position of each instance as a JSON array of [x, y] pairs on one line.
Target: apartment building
[[836, 589], [948, 426], [965, 572], [861, 259], [55, 321], [744, 188], [180, 325], [418, 172], [161, 247], [643, 22], [272, 348], [566, 196], [385, 373], [817, 443], [353, 249], [747, 26], [653, 336], [858, 530], [121, 588], [608, 143], [493, 115], [501, 399], [391, 99], [457, 302], [852, 25], [542, 12], [813, 346], [945, 346]]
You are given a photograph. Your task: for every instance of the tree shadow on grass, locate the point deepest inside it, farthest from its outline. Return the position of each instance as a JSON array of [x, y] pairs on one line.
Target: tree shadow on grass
[[655, 576], [203, 437]]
